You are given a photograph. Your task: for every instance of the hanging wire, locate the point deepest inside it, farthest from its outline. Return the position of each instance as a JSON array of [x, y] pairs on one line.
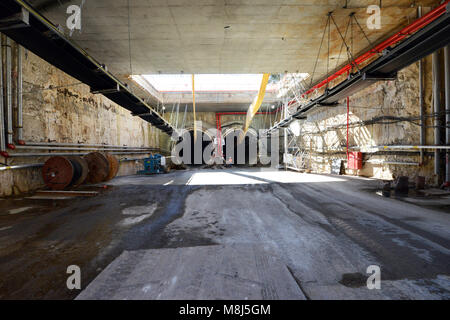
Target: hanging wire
[[349, 53], [129, 37], [184, 117], [352, 48], [328, 56], [276, 115], [342, 44], [178, 113], [172, 114], [265, 116], [320, 48], [364, 33]]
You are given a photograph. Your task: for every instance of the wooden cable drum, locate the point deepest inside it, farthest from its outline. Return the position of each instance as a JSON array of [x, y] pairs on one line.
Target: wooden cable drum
[[83, 167], [113, 166], [60, 173], [98, 167]]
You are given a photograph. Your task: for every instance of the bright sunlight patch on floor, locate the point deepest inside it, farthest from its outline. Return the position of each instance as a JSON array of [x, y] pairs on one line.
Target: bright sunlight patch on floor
[[237, 177]]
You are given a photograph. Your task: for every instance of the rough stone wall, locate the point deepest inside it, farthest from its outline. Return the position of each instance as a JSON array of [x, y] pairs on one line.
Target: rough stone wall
[[324, 133], [57, 108]]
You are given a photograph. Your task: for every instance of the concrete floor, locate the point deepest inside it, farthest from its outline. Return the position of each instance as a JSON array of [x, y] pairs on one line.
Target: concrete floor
[[326, 229]]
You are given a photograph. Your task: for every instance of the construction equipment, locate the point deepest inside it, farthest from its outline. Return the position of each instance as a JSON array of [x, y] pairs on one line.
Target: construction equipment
[[155, 164]]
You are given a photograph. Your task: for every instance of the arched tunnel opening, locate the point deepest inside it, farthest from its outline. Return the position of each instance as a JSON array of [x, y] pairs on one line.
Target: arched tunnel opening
[[240, 151], [195, 155]]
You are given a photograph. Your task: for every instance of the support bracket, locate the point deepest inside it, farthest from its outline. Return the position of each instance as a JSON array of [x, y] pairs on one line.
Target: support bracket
[[18, 20], [379, 77], [106, 91], [142, 114]]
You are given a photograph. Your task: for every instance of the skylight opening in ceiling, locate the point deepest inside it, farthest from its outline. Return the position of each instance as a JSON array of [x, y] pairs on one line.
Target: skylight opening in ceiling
[[206, 82]]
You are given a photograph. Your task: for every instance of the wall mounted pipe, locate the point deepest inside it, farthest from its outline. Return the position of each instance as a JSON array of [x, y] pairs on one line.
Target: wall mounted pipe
[[106, 146], [437, 109], [39, 165], [28, 155], [9, 116], [19, 89], [421, 102], [382, 162], [285, 140], [129, 160], [410, 147], [21, 166], [80, 148], [447, 109], [3, 152]]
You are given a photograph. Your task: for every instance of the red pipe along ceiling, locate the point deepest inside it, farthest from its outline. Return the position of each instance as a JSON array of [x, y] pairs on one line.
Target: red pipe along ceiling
[[396, 38]]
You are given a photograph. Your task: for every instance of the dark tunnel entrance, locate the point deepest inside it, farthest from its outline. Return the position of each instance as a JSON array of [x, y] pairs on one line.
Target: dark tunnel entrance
[[196, 156], [248, 147]]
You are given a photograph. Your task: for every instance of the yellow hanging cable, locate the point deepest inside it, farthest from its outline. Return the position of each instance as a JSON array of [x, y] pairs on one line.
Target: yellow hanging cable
[[254, 107], [193, 106]]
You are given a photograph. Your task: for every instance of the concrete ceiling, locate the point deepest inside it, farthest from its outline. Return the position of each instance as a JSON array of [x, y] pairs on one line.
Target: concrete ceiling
[[206, 101], [221, 36]]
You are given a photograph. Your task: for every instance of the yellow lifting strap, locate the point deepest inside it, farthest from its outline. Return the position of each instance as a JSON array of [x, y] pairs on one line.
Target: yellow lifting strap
[[254, 107], [193, 106]]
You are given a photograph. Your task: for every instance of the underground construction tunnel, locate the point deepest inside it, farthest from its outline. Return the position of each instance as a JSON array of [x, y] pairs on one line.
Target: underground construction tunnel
[[318, 169]]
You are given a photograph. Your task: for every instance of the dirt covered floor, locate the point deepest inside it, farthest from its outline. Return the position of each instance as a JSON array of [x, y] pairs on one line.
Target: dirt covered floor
[[326, 229]]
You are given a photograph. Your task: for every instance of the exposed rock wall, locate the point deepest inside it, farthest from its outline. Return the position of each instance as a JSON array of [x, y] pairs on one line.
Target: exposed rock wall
[[57, 108], [391, 112]]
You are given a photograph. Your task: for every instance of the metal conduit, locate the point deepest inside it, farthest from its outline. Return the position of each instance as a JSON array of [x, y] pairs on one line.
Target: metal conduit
[[2, 116], [9, 117], [410, 147], [421, 102], [28, 155], [21, 166], [399, 36], [81, 148], [382, 162], [437, 109], [19, 96], [55, 144], [447, 109], [38, 165]]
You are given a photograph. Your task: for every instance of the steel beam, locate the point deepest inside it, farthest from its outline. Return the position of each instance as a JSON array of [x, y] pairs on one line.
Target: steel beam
[[434, 36], [44, 39]]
